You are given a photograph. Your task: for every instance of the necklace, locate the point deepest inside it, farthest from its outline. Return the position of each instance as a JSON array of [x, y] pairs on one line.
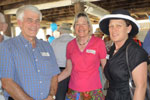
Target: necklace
[[84, 42], [116, 50]]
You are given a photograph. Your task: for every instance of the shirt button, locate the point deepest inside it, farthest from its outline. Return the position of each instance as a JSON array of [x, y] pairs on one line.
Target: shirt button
[[41, 93], [40, 82], [33, 49], [36, 59], [26, 45], [38, 70]]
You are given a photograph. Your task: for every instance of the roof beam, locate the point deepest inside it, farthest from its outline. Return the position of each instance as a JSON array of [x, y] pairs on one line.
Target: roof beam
[[6, 2], [95, 10], [47, 5], [43, 6]]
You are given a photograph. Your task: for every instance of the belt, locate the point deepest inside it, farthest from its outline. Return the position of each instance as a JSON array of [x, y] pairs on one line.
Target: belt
[[61, 68], [114, 85], [10, 98]]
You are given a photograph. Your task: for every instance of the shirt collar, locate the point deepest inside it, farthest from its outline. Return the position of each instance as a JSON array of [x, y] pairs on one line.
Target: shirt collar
[[122, 48], [26, 42]]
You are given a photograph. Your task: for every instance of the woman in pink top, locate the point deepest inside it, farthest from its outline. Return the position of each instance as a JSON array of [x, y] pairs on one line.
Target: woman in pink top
[[84, 55]]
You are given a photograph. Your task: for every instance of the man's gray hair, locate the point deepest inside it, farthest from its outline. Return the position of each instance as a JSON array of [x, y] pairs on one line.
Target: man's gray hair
[[2, 18], [20, 11]]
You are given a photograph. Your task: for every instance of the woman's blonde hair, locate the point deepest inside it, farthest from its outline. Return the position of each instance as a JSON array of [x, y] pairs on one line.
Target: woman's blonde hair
[[82, 14]]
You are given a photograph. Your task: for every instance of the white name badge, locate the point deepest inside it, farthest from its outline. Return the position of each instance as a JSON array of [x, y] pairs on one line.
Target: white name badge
[[45, 54], [107, 56], [91, 51]]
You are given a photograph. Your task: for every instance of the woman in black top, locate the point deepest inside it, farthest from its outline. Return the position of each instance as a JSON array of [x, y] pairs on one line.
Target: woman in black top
[[122, 27]]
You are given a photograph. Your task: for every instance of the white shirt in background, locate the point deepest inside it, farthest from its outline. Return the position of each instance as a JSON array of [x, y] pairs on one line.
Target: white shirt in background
[[59, 46]]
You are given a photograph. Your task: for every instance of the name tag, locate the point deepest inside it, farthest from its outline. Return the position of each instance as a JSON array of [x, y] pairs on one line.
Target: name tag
[[91, 51], [45, 54], [107, 56]]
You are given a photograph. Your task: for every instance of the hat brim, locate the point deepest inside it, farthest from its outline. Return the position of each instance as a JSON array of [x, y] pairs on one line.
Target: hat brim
[[104, 22]]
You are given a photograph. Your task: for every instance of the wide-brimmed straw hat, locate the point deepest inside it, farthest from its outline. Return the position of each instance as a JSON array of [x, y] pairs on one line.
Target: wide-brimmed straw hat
[[65, 28], [119, 14]]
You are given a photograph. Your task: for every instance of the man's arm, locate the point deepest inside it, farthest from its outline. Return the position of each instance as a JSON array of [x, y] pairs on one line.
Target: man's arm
[[66, 72], [54, 85], [14, 90], [53, 88]]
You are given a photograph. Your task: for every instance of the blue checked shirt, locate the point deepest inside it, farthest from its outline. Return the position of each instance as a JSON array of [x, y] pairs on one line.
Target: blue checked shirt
[[31, 68], [146, 43]]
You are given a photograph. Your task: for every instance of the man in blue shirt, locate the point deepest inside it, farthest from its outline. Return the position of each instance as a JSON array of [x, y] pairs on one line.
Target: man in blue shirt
[[28, 67]]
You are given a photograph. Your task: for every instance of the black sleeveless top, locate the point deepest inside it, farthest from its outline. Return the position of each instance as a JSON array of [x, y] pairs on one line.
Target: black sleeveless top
[[116, 70]]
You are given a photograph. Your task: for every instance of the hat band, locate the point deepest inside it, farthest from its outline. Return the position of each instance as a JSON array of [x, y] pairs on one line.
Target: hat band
[[121, 16]]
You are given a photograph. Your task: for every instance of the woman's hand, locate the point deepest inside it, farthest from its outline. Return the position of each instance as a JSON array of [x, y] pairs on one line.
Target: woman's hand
[[66, 72]]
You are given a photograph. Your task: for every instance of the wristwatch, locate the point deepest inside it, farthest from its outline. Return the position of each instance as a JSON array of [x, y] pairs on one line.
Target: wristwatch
[[53, 96]]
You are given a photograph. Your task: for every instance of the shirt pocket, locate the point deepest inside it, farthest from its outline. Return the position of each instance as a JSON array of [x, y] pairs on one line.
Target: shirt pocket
[[46, 65]]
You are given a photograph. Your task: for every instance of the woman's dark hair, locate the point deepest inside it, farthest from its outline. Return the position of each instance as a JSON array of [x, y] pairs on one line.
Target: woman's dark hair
[[127, 22]]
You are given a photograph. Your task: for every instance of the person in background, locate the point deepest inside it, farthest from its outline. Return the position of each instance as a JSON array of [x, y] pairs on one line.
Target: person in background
[[121, 28], [84, 55], [3, 28], [47, 36], [106, 38], [146, 43], [146, 46], [99, 33], [108, 43], [50, 38], [28, 68], [59, 46]]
